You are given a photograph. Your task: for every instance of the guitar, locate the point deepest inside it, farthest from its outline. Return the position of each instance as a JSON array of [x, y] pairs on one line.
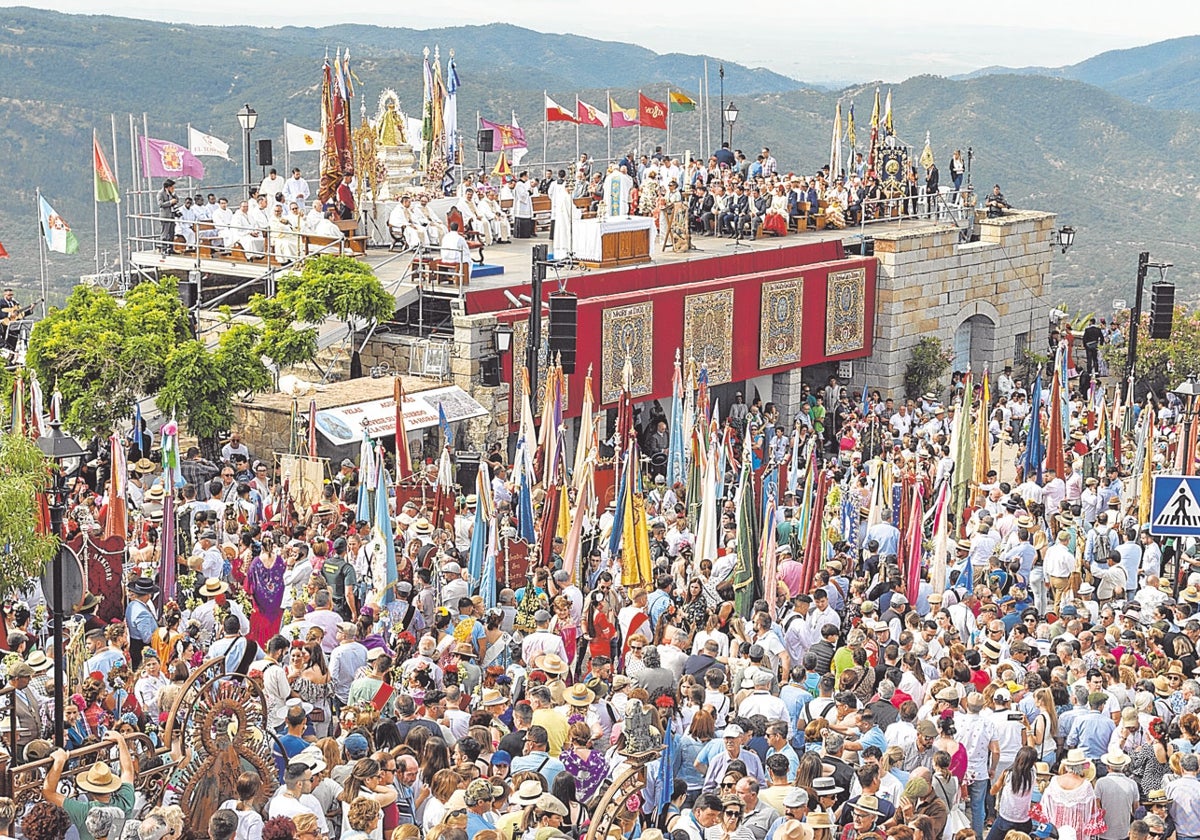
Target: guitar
[[12, 314]]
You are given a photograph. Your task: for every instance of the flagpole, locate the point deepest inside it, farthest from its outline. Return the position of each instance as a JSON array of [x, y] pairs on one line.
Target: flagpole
[[135, 231], [479, 158], [41, 246], [545, 123], [120, 238], [577, 127], [287, 152], [639, 122], [608, 93], [707, 113], [191, 189], [668, 121], [95, 203]]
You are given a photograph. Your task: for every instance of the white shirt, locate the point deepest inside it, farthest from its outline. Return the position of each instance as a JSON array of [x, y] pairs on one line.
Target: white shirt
[[1059, 561], [455, 248], [296, 189]]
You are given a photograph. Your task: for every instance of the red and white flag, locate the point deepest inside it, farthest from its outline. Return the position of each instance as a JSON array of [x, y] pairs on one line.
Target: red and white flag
[[557, 113], [590, 114]]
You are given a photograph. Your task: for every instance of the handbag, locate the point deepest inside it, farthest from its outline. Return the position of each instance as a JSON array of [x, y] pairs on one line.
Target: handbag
[[956, 821]]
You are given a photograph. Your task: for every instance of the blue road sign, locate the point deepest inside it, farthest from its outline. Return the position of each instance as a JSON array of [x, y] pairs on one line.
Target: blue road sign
[[1174, 509]]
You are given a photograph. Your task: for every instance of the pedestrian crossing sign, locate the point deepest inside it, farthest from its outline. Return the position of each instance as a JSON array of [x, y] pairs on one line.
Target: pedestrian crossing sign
[[1174, 509]]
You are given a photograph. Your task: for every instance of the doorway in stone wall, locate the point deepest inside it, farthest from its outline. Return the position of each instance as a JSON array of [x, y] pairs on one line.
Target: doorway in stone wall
[[974, 343]]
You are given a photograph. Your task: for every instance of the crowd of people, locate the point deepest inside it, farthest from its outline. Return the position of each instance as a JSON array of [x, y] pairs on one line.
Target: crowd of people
[[1046, 686]]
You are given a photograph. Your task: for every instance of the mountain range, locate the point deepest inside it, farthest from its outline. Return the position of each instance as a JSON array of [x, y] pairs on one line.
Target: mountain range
[[1107, 143]]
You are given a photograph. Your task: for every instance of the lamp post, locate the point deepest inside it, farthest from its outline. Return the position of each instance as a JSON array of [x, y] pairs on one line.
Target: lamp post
[[247, 119], [1188, 390], [67, 455], [731, 115], [1064, 237]]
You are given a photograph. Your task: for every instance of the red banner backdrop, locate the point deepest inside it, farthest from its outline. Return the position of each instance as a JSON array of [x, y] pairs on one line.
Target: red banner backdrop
[[668, 286]]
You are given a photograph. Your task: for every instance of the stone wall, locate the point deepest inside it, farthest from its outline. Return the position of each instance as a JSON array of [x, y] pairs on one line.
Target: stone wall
[[930, 284], [473, 340]]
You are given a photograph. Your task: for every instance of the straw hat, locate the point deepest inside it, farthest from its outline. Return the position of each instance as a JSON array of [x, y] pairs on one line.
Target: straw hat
[[464, 649], [1157, 797], [818, 819], [98, 779], [1115, 760], [528, 792], [551, 663], [492, 697], [868, 804], [579, 695], [1077, 761], [214, 587], [38, 662]]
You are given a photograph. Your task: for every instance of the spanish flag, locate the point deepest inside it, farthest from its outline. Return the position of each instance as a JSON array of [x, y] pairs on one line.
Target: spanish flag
[[679, 102]]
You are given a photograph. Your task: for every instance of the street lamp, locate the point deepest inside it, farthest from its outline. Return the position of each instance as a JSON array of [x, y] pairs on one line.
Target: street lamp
[[247, 118], [1064, 237], [731, 115], [503, 335], [1188, 390], [67, 455]]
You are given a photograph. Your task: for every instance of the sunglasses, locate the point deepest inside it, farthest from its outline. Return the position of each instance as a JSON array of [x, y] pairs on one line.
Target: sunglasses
[[727, 785], [737, 814]]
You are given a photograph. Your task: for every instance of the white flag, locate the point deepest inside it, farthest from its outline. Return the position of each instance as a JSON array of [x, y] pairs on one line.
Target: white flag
[[520, 151], [302, 140], [200, 143]]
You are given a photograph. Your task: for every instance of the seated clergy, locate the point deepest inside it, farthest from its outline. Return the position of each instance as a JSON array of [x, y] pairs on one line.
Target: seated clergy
[[245, 232], [420, 215]]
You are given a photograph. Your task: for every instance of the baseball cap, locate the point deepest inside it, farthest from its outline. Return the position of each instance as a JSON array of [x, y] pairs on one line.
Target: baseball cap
[[356, 745]]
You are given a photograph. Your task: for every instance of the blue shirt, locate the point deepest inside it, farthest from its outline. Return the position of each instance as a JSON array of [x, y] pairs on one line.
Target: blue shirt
[[795, 698], [476, 824], [538, 762], [887, 535], [1092, 732], [140, 621], [793, 759], [873, 737]]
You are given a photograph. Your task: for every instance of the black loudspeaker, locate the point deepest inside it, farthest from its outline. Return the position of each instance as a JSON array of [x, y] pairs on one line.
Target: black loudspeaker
[[489, 371], [187, 293], [484, 139], [563, 320], [467, 465], [264, 153], [1162, 309]]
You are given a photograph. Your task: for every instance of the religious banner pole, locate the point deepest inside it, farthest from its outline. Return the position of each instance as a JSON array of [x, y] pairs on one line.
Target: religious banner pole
[[700, 145], [287, 153], [95, 205], [117, 206], [479, 156], [577, 128], [545, 123]]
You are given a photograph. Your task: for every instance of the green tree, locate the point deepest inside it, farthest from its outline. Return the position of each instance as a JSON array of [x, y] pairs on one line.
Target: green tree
[[104, 355], [200, 384], [326, 286], [23, 475], [929, 363]]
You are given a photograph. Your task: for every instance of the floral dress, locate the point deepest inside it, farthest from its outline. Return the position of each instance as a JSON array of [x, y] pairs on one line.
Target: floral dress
[[589, 772]]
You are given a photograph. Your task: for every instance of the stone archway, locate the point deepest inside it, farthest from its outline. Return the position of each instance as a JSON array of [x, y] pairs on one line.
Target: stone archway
[[974, 343]]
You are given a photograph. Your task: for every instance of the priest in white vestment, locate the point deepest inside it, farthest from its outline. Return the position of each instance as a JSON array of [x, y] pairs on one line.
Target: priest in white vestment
[[284, 237], [421, 216], [400, 222], [296, 189], [186, 226], [246, 232], [562, 215], [271, 186], [222, 219], [617, 188], [470, 215]]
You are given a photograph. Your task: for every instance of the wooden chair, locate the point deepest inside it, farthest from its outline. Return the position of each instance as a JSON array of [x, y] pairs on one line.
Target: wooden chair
[[474, 238]]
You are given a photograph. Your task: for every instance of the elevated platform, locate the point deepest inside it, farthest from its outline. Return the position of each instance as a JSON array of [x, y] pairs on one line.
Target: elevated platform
[[508, 265], [153, 260]]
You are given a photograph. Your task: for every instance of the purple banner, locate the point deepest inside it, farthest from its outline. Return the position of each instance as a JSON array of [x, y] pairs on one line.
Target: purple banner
[[504, 137], [164, 159]]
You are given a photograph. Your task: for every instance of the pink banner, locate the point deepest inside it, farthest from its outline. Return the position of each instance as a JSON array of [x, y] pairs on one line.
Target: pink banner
[[504, 136], [164, 159]]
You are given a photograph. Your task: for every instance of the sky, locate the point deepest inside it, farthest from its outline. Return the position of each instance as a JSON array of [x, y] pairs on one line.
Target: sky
[[827, 44]]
